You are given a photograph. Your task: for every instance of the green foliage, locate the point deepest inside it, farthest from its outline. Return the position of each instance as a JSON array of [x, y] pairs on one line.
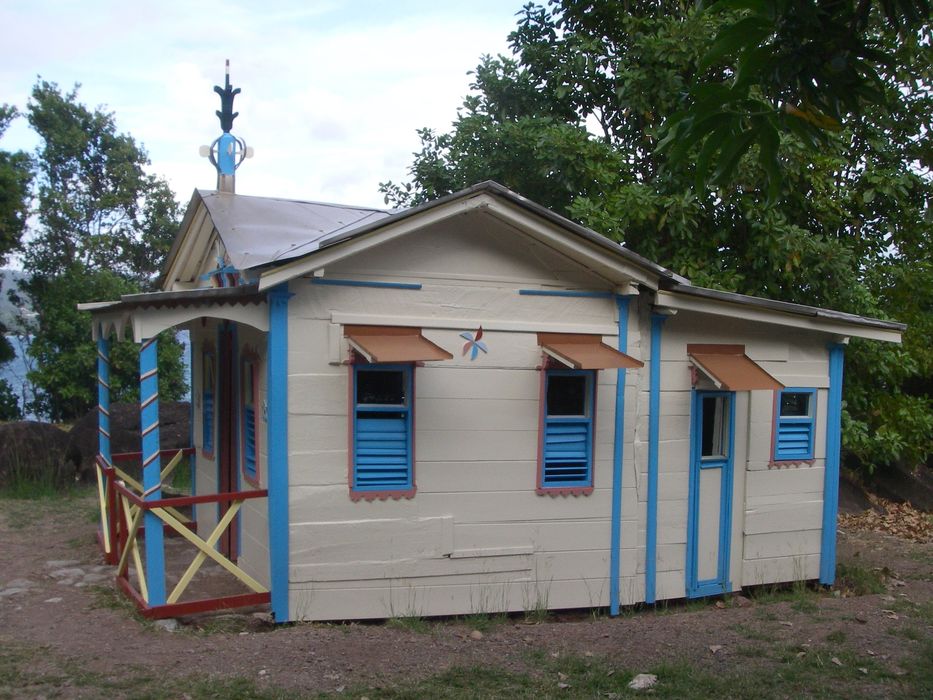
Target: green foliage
[[577, 118], [9, 403], [15, 178], [65, 353], [104, 227], [790, 67]]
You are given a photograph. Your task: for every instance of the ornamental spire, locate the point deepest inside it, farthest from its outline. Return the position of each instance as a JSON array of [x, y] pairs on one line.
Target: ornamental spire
[[228, 151]]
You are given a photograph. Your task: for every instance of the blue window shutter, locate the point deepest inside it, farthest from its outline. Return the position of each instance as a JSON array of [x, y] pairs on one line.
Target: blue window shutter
[[794, 434], [568, 439], [207, 420], [382, 437], [249, 440]]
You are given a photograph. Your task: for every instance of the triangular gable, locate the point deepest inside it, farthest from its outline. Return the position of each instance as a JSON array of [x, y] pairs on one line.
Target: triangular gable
[[603, 257], [223, 235]]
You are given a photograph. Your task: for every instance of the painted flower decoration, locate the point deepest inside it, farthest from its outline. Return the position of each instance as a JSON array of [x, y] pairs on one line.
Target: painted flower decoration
[[474, 343]]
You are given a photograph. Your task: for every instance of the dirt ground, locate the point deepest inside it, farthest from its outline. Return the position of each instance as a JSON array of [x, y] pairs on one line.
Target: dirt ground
[[59, 613]]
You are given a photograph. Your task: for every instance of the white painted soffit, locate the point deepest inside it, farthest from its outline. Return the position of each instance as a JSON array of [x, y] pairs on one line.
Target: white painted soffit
[[598, 258], [807, 318]]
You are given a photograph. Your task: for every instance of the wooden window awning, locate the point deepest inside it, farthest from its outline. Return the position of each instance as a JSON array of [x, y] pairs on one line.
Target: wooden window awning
[[380, 344], [729, 368], [582, 351]]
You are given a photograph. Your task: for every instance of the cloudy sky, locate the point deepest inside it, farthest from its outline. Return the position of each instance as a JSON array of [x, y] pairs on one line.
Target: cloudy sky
[[332, 91]]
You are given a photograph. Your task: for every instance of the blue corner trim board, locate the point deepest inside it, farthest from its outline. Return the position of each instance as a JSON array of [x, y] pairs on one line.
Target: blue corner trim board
[[277, 441], [622, 303], [831, 472], [654, 411], [152, 468], [366, 283], [565, 293]]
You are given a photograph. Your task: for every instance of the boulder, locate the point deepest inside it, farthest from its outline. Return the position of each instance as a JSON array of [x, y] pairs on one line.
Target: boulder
[[174, 432], [35, 452]]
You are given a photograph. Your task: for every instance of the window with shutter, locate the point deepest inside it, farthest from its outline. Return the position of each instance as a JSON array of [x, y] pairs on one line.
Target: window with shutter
[[208, 368], [382, 428], [795, 419], [248, 417], [567, 430]]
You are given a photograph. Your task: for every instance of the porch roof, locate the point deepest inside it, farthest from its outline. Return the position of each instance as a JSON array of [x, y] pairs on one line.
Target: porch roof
[[153, 312]]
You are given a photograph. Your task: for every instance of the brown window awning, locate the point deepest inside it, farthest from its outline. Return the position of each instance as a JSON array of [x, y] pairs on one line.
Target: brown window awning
[[581, 351], [730, 368], [393, 344]]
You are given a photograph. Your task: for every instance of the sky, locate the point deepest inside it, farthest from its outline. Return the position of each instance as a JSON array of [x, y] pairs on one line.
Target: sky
[[332, 92]]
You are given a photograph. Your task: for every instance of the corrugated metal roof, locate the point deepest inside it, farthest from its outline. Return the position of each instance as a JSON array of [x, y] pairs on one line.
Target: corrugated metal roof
[[261, 230]]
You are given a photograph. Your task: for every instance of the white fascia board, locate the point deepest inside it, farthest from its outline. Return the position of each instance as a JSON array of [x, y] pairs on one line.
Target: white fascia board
[[190, 251], [778, 318]]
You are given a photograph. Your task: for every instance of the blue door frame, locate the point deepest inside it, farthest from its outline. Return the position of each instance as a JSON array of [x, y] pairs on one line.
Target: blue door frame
[[696, 587]]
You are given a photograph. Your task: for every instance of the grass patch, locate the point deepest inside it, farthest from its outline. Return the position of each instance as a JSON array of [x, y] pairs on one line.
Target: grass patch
[[27, 482], [415, 624], [858, 580]]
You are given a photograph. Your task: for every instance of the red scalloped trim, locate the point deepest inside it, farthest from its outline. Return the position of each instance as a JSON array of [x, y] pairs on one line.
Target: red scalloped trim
[[790, 463], [555, 492], [381, 495]]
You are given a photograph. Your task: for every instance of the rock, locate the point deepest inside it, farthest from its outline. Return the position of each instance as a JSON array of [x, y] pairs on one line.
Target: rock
[[63, 563], [20, 583], [264, 617], [715, 648], [53, 600], [740, 601], [836, 661], [72, 572], [476, 634], [7, 592], [643, 681], [169, 625], [174, 433], [33, 450], [563, 686]]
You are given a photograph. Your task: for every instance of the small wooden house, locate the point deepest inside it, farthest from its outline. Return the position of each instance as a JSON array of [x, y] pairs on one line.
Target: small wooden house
[[476, 405]]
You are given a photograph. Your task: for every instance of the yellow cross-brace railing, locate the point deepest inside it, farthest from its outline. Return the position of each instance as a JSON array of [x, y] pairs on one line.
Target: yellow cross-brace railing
[[206, 549]]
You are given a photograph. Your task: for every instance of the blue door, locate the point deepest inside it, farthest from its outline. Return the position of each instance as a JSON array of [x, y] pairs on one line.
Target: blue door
[[709, 513]]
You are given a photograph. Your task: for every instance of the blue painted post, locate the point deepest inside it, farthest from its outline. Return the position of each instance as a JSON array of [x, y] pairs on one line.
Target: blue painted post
[[103, 396], [654, 416], [622, 304], [831, 472], [277, 441], [152, 467]]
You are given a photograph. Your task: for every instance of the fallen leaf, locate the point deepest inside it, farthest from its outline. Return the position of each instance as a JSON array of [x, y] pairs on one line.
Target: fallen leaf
[[836, 661], [869, 652], [863, 670], [561, 676], [563, 686], [715, 647], [785, 623]]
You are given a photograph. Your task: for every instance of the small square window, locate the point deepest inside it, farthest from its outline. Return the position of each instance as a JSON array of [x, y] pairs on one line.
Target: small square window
[[380, 387], [794, 425], [566, 395]]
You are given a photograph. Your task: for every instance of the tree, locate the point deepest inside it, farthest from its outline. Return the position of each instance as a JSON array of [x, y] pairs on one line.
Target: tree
[[15, 179], [104, 227], [574, 120], [800, 66]]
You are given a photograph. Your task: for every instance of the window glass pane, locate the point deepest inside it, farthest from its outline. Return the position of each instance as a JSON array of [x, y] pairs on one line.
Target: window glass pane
[[715, 429], [566, 395], [795, 404], [247, 385], [208, 372], [386, 387]]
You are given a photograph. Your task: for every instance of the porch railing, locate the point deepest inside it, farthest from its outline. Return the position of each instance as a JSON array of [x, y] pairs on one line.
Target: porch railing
[[123, 507]]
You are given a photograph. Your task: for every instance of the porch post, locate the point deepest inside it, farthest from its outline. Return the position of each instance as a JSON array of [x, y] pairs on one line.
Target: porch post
[[277, 441], [103, 396], [152, 467]]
